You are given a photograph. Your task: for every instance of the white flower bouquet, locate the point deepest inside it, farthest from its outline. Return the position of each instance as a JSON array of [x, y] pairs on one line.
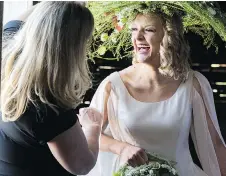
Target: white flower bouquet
[[157, 166]]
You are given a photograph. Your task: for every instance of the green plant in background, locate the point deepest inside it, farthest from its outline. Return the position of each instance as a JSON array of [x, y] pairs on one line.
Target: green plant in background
[[112, 21], [157, 166]]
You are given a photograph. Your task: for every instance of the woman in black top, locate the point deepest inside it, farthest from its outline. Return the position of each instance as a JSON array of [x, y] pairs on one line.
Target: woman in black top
[[44, 77]]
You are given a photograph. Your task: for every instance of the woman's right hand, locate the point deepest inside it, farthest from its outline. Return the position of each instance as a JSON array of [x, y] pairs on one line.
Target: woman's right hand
[[90, 117], [134, 156]]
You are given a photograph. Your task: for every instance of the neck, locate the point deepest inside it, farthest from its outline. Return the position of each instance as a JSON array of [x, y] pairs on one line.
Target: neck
[[149, 73]]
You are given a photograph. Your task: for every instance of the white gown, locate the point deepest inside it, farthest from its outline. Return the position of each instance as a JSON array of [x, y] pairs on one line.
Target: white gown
[[161, 127]]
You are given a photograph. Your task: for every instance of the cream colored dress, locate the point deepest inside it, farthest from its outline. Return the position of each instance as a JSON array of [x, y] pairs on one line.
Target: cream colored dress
[[161, 127]]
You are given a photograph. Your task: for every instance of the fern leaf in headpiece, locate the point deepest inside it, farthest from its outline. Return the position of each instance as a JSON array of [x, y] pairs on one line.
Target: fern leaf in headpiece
[[112, 21]]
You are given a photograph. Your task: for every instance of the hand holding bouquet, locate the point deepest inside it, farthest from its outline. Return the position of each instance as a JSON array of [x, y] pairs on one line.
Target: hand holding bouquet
[[157, 166]]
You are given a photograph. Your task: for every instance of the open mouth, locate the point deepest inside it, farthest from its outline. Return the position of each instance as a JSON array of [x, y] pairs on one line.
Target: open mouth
[[143, 49]]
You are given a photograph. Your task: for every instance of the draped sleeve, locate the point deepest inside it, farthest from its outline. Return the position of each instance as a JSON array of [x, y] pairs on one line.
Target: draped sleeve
[[114, 127], [98, 102], [199, 129]]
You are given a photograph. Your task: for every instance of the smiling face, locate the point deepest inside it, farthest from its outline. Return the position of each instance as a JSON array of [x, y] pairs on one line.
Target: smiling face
[[147, 35]]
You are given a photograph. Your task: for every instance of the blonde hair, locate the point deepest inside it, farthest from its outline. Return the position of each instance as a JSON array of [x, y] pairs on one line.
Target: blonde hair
[[45, 60], [174, 49]]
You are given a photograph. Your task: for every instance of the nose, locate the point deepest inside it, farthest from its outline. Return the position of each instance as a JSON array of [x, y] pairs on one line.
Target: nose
[[139, 35]]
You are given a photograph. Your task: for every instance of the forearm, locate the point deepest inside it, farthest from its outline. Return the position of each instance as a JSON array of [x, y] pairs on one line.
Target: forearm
[[92, 135], [109, 144]]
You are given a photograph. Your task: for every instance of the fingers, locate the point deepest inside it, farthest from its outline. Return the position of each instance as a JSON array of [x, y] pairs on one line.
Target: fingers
[[131, 162], [139, 158], [143, 155], [136, 160], [83, 111], [90, 117], [91, 111]]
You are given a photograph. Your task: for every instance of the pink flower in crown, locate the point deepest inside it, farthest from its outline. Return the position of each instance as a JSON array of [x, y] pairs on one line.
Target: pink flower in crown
[[115, 21], [119, 28], [118, 25]]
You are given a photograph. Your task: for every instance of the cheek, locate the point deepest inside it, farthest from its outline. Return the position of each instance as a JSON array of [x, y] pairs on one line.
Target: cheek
[[154, 42]]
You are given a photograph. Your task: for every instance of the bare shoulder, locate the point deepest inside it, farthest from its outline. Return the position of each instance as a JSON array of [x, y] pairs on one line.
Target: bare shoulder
[[126, 73]]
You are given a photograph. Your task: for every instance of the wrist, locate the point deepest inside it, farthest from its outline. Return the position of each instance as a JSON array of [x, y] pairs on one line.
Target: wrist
[[122, 146], [92, 130], [95, 127]]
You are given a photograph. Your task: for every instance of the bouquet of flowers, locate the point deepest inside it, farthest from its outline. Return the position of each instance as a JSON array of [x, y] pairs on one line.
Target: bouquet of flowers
[[157, 166]]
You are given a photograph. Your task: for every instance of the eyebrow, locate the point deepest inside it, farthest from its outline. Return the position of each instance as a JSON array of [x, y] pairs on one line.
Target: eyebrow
[[149, 25]]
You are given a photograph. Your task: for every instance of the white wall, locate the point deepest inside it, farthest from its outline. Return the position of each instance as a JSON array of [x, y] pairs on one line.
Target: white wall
[[12, 9]]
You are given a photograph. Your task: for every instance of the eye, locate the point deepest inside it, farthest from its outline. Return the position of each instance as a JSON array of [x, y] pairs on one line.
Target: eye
[[150, 30], [133, 29]]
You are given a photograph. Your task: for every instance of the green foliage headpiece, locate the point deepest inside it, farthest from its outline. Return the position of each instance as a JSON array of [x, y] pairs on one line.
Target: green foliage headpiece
[[112, 20]]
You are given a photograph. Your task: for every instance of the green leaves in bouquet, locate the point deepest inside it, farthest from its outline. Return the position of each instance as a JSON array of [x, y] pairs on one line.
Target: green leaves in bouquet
[[157, 166], [122, 170]]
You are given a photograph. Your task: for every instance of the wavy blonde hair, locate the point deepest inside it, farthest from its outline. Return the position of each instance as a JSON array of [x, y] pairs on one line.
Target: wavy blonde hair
[[174, 49], [45, 60]]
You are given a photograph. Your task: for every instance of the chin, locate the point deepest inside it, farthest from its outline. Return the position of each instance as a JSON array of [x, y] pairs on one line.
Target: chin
[[142, 58]]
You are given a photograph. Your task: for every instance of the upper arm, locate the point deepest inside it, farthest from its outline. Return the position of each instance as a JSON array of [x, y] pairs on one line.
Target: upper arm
[[214, 135], [64, 136], [71, 150]]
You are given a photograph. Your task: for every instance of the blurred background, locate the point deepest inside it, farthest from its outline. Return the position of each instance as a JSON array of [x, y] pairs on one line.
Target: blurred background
[[207, 61]]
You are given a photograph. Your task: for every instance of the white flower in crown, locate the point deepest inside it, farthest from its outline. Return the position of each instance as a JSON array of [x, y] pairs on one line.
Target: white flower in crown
[[119, 16], [104, 37], [113, 39], [126, 9], [101, 50], [164, 7], [211, 10]]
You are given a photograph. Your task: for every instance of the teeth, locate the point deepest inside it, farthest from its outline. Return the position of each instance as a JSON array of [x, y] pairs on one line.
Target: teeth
[[143, 46], [140, 48]]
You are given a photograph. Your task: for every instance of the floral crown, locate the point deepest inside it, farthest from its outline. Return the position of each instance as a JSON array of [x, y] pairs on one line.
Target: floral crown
[[112, 23]]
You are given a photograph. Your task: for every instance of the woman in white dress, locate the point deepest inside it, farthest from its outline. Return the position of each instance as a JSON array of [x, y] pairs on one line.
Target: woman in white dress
[[154, 104]]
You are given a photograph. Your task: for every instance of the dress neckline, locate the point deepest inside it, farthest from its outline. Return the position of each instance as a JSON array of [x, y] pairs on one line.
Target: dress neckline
[[146, 102]]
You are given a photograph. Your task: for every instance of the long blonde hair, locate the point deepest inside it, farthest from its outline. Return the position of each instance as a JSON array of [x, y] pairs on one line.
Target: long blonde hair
[[46, 59]]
